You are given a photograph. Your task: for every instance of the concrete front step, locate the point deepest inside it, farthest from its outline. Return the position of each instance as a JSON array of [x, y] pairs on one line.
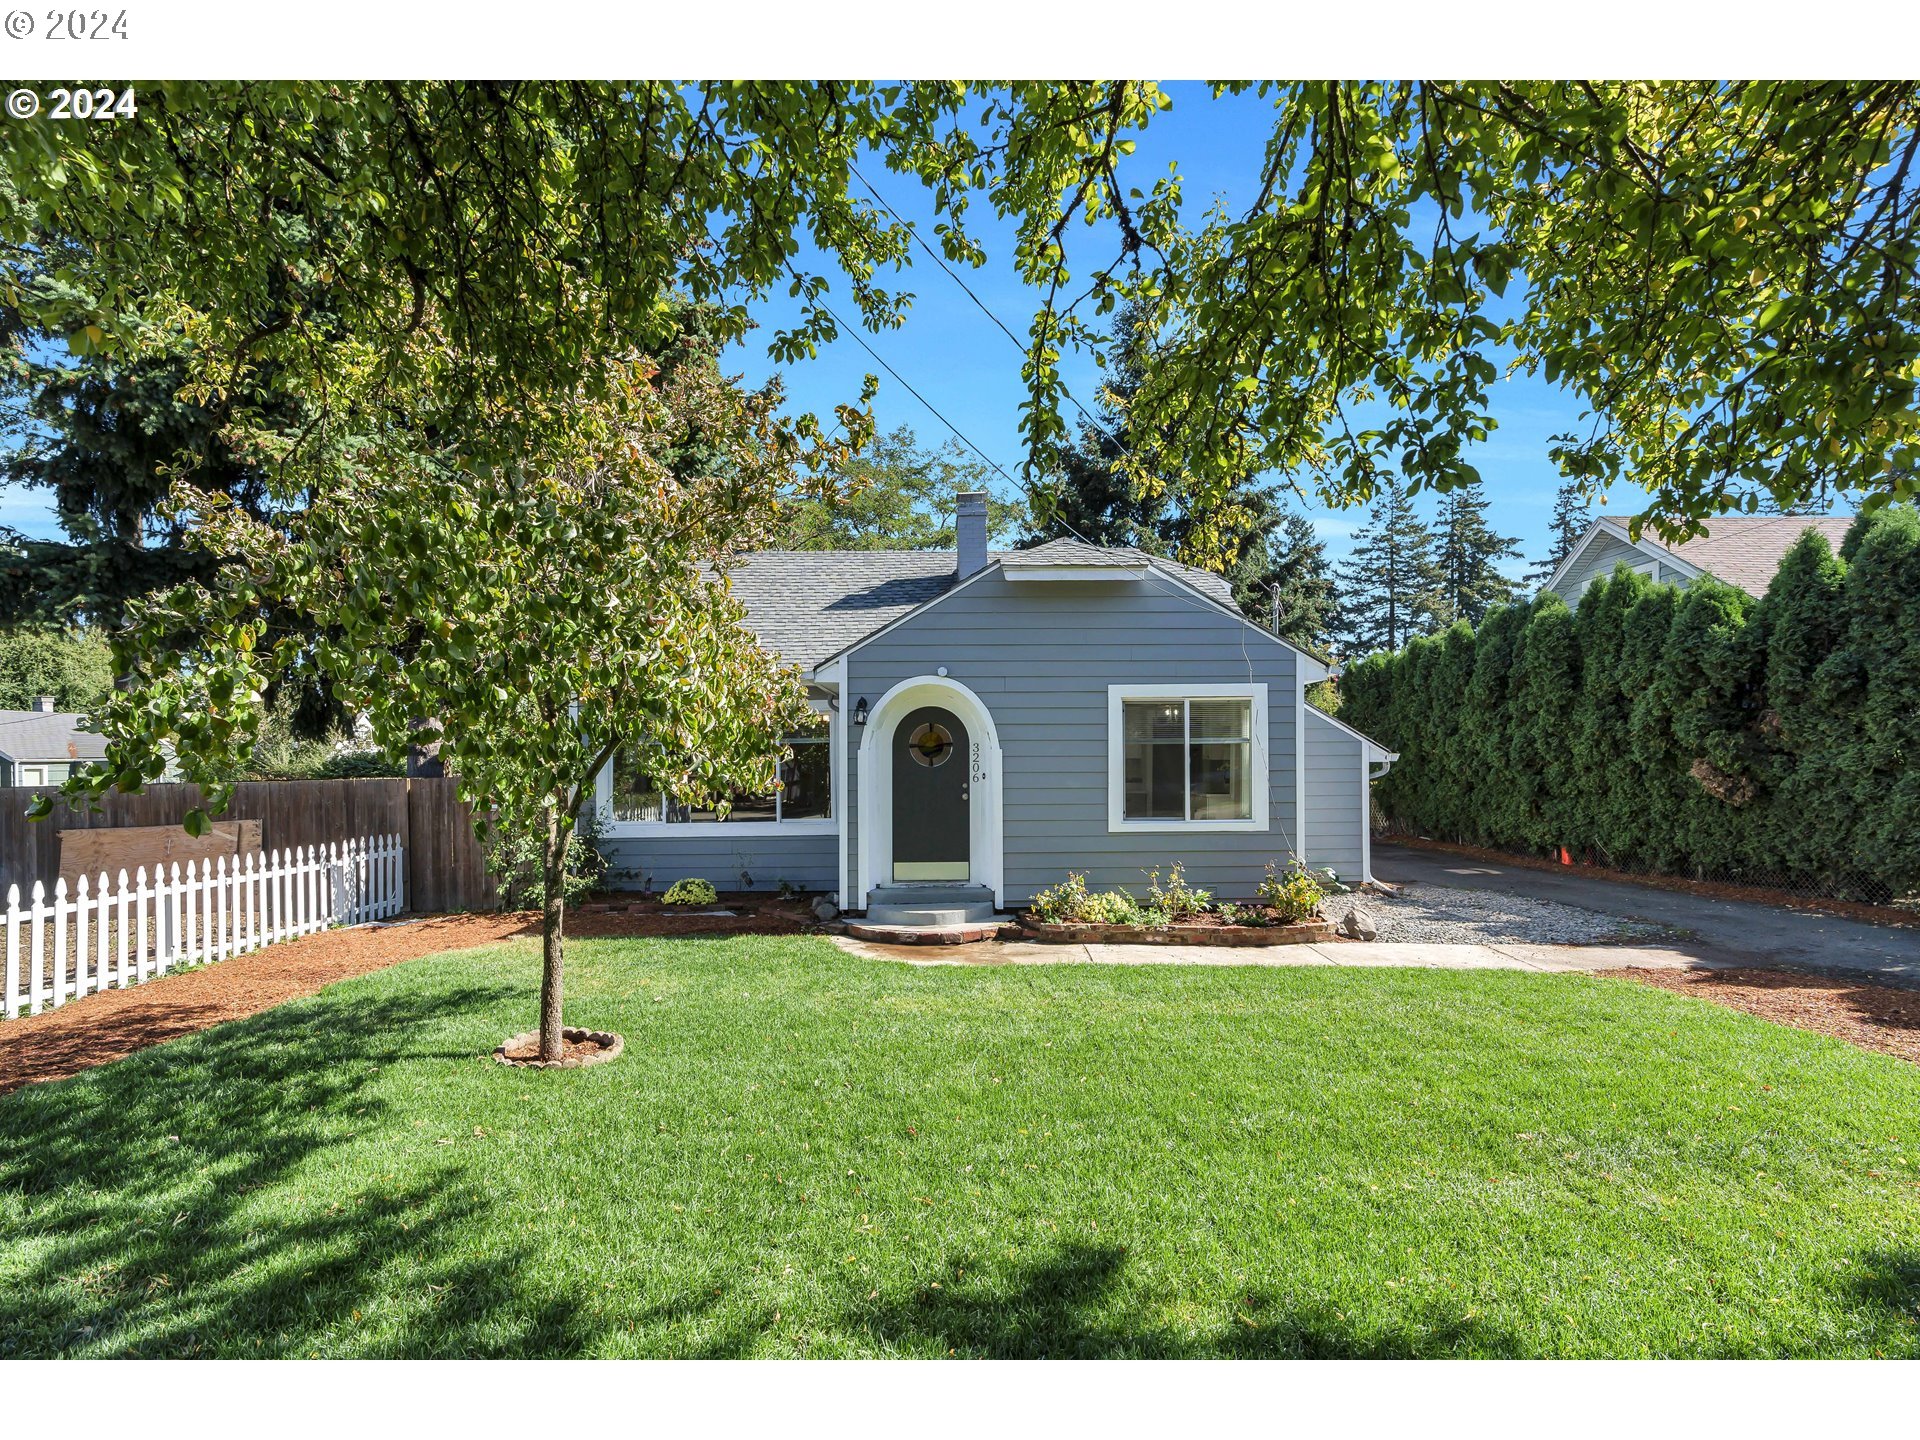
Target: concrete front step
[[927, 916], [929, 906]]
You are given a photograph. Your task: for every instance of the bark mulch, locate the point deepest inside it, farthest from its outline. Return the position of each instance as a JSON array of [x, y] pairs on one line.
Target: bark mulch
[[114, 1023], [1874, 1017], [1892, 915]]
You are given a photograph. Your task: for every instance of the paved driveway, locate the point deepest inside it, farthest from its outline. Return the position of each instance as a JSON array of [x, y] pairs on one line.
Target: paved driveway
[[1715, 930]]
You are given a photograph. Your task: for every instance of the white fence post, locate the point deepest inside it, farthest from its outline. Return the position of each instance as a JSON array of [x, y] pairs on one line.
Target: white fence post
[[121, 903], [12, 998], [59, 943]]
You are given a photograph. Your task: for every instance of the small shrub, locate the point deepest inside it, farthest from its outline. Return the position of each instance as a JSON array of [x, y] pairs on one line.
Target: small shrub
[[1176, 897], [1291, 891], [690, 892], [514, 862], [1071, 903], [1230, 913], [1065, 901]]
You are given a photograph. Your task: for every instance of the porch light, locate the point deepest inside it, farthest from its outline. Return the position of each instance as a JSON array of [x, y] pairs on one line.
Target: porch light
[[860, 712]]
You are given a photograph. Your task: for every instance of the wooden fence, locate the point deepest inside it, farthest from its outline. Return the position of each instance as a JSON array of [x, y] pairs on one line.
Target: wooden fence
[[112, 932], [445, 868]]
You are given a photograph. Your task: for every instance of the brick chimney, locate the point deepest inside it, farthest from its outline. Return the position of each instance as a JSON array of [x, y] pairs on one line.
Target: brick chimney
[[43, 704], [970, 533]]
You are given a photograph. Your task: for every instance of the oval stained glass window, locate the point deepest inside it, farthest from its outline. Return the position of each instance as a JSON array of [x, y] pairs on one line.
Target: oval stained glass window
[[930, 745]]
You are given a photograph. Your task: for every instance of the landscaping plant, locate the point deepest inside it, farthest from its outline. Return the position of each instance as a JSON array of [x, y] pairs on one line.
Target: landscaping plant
[[1291, 892], [1681, 730], [690, 892], [1176, 899]]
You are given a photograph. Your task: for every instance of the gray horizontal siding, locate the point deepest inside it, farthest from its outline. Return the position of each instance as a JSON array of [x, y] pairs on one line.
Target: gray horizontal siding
[[1040, 656], [806, 862], [1336, 781], [1598, 560]]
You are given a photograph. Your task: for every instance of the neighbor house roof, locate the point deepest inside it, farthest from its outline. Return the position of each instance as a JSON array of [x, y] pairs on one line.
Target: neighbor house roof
[[47, 735], [1742, 550], [806, 605]]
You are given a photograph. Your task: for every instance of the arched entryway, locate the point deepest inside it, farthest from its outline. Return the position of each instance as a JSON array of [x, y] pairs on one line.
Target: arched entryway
[[929, 776]]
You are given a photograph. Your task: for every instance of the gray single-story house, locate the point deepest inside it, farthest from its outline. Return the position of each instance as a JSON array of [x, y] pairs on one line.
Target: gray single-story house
[[1742, 550], [42, 746], [994, 720]]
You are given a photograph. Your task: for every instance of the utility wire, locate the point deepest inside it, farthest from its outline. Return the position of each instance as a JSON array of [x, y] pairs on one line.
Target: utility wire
[[985, 309]]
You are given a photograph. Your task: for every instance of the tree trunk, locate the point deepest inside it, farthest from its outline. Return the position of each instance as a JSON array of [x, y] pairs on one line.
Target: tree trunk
[[553, 886]]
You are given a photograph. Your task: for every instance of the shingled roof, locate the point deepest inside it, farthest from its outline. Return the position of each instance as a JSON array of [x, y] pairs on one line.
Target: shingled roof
[[807, 605], [48, 735], [1746, 550]]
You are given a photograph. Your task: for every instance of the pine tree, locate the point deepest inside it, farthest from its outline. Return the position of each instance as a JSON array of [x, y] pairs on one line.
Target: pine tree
[[1467, 553], [1390, 583], [1285, 583], [1569, 523]]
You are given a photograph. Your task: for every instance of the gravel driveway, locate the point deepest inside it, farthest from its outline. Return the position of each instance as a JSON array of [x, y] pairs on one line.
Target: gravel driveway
[[1484, 917]]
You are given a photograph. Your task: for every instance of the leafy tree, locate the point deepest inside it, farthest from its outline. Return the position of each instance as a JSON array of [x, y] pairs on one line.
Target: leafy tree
[[73, 666], [1722, 274], [1389, 584], [543, 616], [898, 497], [1569, 523], [1467, 553]]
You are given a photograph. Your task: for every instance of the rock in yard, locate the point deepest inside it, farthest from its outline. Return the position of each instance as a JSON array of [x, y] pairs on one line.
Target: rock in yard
[[1358, 925], [824, 909]]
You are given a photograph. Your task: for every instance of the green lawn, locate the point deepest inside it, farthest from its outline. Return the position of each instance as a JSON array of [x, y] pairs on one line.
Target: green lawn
[[802, 1153]]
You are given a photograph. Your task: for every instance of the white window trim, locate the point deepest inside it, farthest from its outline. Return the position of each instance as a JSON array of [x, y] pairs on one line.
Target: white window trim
[[612, 829], [1118, 695]]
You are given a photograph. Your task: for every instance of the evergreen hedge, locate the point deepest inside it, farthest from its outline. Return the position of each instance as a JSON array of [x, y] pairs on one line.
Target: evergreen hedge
[[1694, 731]]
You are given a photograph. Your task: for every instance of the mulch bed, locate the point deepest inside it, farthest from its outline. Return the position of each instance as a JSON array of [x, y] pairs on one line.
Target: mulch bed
[[1874, 1017], [578, 1048], [115, 1023], [1709, 889]]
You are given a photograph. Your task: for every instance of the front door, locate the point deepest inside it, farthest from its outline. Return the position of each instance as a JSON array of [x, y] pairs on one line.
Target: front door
[[931, 760]]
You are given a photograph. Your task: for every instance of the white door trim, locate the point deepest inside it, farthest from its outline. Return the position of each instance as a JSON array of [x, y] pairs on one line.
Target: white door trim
[[984, 860]]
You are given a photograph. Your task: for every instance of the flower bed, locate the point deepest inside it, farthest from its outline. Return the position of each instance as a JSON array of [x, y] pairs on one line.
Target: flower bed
[[1174, 913], [1298, 932]]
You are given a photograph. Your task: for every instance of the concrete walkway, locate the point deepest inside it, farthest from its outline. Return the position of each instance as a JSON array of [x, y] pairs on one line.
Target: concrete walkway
[[1723, 931], [1560, 958]]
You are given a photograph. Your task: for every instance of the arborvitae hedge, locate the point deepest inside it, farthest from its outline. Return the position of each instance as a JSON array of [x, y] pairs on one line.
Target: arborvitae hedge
[[1695, 731]]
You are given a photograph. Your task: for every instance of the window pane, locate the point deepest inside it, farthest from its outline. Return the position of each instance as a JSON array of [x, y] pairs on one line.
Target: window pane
[[635, 797], [1222, 719], [1221, 789], [1154, 719], [1155, 782], [804, 778]]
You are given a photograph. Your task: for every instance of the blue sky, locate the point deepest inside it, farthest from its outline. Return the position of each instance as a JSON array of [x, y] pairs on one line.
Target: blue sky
[[961, 362]]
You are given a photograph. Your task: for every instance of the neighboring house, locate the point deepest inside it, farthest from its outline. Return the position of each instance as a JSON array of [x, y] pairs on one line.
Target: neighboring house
[[42, 746], [1742, 550], [994, 720]]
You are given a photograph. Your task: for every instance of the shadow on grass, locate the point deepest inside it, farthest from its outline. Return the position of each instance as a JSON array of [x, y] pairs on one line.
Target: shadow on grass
[[1071, 1305], [133, 1233]]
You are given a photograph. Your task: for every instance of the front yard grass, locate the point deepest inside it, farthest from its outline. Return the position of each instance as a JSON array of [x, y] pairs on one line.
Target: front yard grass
[[805, 1153]]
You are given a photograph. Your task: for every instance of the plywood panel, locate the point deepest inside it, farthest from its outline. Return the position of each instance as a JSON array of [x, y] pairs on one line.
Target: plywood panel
[[89, 852]]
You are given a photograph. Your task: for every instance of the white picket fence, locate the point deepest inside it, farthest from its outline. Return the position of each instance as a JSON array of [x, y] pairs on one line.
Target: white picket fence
[[118, 933]]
